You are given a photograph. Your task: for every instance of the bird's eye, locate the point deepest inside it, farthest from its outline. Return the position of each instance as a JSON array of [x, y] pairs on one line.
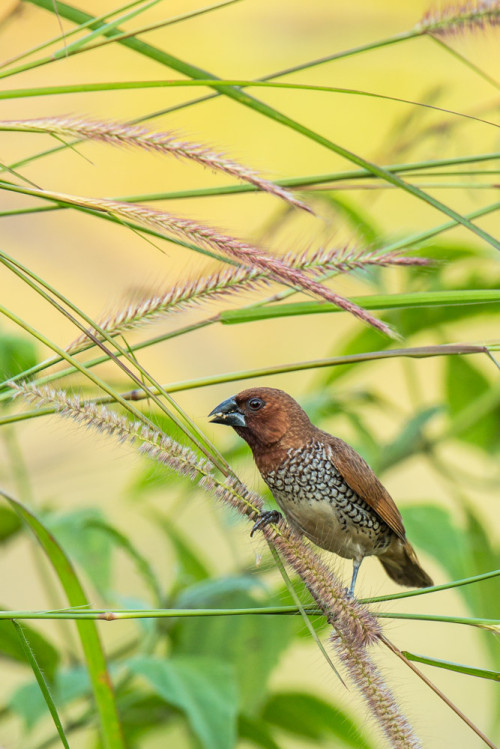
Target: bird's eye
[[255, 403]]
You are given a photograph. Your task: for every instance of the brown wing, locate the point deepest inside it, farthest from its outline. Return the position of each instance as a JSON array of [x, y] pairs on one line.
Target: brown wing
[[360, 477]]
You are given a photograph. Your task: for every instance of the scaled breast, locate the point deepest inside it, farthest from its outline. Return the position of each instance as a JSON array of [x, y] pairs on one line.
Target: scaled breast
[[308, 475]]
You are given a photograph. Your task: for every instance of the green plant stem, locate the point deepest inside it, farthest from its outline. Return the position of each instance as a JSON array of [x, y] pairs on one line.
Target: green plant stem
[[420, 352], [433, 589], [82, 45], [240, 84], [492, 624], [475, 68], [68, 34], [112, 614], [44, 688]]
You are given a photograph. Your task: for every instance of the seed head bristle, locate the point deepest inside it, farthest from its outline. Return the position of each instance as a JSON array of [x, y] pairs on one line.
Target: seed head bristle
[[233, 248], [474, 15], [122, 134], [185, 294], [231, 280]]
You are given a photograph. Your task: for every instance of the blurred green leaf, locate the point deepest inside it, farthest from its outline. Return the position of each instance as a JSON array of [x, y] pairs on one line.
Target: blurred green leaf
[[203, 688], [252, 644], [485, 600], [10, 524], [86, 545], [368, 339], [141, 713], [190, 567], [201, 595], [306, 715], [69, 685], [10, 647], [465, 384], [256, 732], [355, 217], [142, 564], [433, 530], [409, 441], [16, 355], [462, 552]]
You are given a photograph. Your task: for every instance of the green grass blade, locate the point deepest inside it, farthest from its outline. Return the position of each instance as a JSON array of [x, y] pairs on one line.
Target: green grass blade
[[94, 655], [418, 352], [67, 34], [233, 83], [434, 588], [492, 624], [450, 666], [44, 687], [373, 302], [239, 95]]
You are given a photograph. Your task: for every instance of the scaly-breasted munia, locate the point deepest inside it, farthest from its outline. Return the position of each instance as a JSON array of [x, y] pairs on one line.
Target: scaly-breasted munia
[[326, 490]]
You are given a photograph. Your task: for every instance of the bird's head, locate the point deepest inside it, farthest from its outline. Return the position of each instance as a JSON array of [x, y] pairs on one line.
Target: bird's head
[[262, 416]]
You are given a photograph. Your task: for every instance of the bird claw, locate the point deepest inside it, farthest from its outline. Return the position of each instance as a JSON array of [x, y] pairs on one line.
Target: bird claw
[[270, 516]]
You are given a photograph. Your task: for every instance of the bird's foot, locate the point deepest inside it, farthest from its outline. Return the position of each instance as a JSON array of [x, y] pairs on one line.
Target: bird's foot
[[270, 516]]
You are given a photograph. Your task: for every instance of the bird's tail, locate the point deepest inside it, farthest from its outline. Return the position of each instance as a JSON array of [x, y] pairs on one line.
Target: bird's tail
[[401, 564]]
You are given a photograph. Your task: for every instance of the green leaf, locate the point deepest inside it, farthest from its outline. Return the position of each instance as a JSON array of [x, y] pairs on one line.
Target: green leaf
[[42, 684], [190, 568], [203, 688], [10, 524], [367, 339], [10, 647], [448, 665], [466, 385], [312, 718], [409, 441], [142, 564], [91, 644], [356, 218], [253, 645], [462, 552], [16, 355], [414, 300], [69, 685], [87, 545], [143, 713], [433, 530], [256, 732]]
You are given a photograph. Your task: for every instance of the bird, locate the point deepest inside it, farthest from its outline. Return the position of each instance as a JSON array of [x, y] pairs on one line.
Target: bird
[[325, 489]]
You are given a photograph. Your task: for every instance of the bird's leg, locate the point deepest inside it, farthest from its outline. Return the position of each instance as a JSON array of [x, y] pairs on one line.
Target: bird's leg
[[270, 516], [356, 564]]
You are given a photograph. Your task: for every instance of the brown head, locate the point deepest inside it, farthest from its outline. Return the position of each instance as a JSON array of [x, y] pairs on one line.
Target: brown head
[[265, 418]]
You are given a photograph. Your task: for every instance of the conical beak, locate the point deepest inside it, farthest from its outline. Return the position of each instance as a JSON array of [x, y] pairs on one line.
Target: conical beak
[[228, 413]]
